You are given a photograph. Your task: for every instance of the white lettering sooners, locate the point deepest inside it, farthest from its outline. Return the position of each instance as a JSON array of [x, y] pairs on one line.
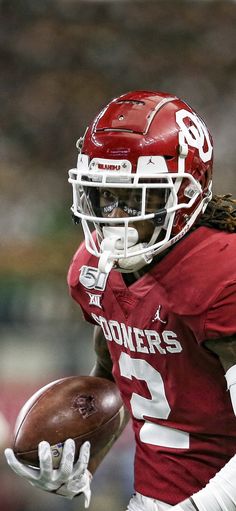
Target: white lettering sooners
[[138, 340]]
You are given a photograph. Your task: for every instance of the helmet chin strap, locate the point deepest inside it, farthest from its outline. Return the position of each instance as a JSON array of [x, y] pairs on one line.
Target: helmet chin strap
[[113, 243]]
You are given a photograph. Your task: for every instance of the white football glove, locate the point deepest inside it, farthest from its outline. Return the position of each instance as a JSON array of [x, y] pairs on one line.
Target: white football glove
[[68, 480]]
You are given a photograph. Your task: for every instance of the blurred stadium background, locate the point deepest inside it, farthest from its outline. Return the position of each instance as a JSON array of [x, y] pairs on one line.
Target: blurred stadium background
[[61, 60]]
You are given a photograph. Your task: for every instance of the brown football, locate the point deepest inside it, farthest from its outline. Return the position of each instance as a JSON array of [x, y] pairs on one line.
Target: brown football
[[78, 407]]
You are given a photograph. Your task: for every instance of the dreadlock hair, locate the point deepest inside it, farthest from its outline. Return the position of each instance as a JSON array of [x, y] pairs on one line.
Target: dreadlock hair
[[219, 214]]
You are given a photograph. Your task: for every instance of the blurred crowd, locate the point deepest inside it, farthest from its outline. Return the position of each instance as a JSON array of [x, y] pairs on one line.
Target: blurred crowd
[[62, 60]]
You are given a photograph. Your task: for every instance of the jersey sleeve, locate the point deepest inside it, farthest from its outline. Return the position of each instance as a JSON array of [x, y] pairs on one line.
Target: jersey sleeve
[[220, 320], [87, 317], [75, 294], [78, 260]]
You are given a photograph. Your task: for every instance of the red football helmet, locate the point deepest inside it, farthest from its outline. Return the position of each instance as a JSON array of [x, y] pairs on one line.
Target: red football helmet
[[151, 155]]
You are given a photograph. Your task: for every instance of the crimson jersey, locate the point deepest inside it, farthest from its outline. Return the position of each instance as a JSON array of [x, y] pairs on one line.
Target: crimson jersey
[[173, 386]]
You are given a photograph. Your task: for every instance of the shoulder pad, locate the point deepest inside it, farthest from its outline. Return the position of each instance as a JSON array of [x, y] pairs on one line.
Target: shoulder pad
[[80, 258], [203, 269]]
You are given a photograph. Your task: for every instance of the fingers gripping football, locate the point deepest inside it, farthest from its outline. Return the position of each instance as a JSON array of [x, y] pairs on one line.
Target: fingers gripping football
[[68, 480], [79, 479]]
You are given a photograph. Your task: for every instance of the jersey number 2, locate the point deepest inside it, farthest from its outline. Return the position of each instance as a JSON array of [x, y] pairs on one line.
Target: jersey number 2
[[157, 407]]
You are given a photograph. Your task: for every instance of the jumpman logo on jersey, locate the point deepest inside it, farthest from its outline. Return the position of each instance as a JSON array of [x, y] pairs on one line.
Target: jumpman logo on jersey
[[157, 316], [150, 161]]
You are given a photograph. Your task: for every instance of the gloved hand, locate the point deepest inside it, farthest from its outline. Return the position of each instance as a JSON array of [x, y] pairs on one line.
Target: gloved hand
[[68, 480]]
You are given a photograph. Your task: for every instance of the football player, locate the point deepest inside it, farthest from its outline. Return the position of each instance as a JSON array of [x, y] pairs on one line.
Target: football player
[[156, 275]]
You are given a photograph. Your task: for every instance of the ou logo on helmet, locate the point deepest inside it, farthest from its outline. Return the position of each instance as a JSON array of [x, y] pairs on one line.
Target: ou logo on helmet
[[196, 135]]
